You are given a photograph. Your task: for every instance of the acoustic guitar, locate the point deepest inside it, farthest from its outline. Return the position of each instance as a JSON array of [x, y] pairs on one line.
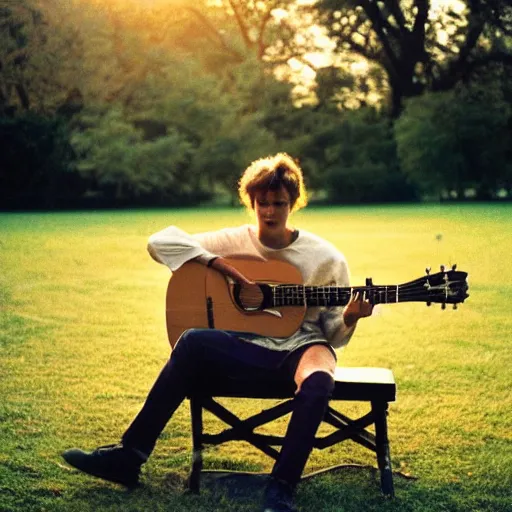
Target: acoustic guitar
[[201, 297]]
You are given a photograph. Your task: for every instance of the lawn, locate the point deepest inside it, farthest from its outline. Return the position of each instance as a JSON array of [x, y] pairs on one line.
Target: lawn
[[82, 338]]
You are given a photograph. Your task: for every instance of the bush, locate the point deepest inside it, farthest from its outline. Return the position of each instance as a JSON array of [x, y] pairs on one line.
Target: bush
[[449, 142], [361, 163]]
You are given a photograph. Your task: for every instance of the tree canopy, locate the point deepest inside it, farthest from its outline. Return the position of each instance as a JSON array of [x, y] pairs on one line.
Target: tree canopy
[[165, 102], [421, 48]]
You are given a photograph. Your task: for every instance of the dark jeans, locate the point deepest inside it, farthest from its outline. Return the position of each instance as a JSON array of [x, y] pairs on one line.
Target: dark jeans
[[205, 354]]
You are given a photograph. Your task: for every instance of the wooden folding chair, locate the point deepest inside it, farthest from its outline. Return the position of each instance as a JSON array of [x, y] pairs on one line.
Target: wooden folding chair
[[373, 385]]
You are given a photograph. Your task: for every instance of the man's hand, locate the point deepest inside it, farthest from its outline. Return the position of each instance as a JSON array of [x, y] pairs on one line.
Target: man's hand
[[358, 307], [221, 265]]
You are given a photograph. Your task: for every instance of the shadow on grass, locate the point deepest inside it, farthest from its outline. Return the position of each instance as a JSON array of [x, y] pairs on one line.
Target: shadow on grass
[[348, 489]]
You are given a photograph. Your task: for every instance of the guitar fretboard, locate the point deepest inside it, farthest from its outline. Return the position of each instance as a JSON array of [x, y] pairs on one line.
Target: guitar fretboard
[[299, 295]]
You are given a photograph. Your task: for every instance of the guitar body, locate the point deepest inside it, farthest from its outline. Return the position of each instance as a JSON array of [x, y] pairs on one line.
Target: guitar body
[[201, 297]]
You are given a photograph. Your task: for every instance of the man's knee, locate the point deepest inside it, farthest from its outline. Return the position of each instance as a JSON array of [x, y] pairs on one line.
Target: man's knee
[[317, 358], [188, 344], [319, 384]]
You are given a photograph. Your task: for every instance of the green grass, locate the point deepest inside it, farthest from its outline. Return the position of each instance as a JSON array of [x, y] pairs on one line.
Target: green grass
[[82, 338]]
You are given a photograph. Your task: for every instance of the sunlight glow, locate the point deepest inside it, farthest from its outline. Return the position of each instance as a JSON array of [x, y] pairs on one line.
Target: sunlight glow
[[280, 14], [304, 70], [359, 68], [442, 5]]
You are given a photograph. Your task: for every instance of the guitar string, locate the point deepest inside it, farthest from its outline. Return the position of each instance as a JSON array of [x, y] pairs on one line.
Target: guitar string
[[290, 291], [391, 291], [335, 298], [327, 295], [333, 289], [404, 291], [405, 286]]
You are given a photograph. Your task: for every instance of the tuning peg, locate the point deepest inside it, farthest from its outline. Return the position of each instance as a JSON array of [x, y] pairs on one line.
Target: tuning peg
[[427, 270], [429, 303], [455, 306], [454, 267], [443, 305], [442, 268]]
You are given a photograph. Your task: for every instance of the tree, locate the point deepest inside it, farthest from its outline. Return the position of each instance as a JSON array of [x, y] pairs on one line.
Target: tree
[[272, 32], [36, 163], [35, 154], [354, 159], [419, 49], [38, 51], [123, 42], [151, 121], [199, 132], [123, 168], [452, 141]]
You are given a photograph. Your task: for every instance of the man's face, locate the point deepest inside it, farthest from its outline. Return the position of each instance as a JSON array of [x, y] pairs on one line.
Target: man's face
[[272, 210]]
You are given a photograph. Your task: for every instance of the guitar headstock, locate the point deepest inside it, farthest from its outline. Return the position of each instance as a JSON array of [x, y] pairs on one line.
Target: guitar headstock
[[444, 287]]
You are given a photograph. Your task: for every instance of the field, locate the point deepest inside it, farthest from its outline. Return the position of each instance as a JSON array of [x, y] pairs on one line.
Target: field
[[82, 338]]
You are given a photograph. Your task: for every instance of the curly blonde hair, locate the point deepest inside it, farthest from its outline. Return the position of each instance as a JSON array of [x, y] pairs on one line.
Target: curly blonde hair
[[272, 173]]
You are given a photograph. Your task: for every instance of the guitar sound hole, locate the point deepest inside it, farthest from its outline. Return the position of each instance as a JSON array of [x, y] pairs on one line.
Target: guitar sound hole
[[251, 297]]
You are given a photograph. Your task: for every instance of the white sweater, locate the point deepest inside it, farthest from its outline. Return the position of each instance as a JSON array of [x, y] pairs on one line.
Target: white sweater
[[319, 262]]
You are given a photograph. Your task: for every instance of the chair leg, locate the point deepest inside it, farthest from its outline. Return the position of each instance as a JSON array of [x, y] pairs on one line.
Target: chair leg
[[196, 413], [379, 410]]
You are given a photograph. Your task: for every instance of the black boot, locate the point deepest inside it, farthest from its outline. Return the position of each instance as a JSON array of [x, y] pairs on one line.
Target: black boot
[[309, 408], [112, 462], [278, 497]]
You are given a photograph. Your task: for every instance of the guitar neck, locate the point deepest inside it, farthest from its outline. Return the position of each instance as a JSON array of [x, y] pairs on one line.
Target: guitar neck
[[445, 287], [299, 295]]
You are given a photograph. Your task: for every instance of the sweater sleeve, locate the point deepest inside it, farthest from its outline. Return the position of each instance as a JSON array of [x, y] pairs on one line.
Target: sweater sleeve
[[173, 247], [331, 319]]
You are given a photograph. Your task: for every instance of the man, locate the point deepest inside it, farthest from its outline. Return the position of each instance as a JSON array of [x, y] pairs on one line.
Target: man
[[272, 188]]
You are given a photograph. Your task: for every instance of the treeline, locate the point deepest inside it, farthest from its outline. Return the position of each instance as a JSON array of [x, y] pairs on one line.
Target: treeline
[[146, 104]]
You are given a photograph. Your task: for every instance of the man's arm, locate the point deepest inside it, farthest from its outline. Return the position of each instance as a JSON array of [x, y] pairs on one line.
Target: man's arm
[[174, 247]]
